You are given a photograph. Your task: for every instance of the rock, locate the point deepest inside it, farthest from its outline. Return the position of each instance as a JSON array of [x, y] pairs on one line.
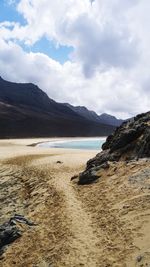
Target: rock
[[8, 234], [21, 219], [132, 135], [130, 141], [74, 177], [59, 162], [9, 231], [139, 258], [88, 176], [105, 165]]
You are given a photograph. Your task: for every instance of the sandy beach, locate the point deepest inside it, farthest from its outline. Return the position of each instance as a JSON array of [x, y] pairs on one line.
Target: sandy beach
[[105, 224]]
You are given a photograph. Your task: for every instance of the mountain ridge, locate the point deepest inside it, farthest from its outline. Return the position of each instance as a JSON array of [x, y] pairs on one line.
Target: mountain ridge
[[26, 111], [92, 115]]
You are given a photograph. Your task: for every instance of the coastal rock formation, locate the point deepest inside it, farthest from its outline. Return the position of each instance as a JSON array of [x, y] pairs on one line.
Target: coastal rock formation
[[130, 141]]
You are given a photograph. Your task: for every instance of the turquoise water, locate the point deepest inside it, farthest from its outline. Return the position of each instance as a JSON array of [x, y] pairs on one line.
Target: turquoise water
[[90, 144]]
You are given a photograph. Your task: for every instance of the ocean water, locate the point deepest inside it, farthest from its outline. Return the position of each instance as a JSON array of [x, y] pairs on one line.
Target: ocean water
[[89, 144]]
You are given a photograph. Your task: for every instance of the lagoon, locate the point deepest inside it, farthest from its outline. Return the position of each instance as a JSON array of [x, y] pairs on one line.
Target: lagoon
[[88, 143]]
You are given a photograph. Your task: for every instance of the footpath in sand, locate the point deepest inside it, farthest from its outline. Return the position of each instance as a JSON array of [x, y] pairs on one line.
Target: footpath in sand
[[101, 225], [84, 251]]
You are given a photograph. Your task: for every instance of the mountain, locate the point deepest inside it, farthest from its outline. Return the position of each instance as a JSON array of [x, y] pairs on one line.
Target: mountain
[[26, 111], [84, 112], [91, 115], [110, 120]]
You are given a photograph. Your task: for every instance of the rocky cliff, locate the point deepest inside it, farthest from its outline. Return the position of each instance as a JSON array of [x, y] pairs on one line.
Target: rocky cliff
[[130, 141]]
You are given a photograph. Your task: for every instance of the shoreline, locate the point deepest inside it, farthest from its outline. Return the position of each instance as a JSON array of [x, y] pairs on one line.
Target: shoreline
[[17, 147], [54, 143], [35, 142]]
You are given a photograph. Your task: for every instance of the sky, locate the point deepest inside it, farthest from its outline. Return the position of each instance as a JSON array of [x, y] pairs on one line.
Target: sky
[[93, 53]]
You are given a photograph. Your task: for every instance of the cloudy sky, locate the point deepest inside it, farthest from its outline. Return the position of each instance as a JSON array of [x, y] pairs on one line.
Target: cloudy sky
[[85, 52]]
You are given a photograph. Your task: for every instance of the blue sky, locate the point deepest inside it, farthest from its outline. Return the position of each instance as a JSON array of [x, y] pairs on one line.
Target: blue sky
[[60, 54], [8, 12]]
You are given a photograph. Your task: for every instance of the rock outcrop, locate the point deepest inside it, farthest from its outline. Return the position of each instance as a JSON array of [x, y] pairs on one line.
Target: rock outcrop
[[130, 141], [10, 231]]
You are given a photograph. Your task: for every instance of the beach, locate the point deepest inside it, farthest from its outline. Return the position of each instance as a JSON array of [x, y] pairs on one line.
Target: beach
[[98, 225]]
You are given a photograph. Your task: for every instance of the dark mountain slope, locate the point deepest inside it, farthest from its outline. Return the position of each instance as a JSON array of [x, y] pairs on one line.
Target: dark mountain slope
[[30, 95], [84, 112], [26, 111], [110, 120], [91, 115]]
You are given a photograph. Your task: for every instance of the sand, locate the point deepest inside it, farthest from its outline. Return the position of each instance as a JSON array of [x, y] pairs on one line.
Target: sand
[[105, 224]]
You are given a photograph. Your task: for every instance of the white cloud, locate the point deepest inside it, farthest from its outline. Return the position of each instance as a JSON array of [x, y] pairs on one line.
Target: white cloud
[[93, 31], [109, 68]]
